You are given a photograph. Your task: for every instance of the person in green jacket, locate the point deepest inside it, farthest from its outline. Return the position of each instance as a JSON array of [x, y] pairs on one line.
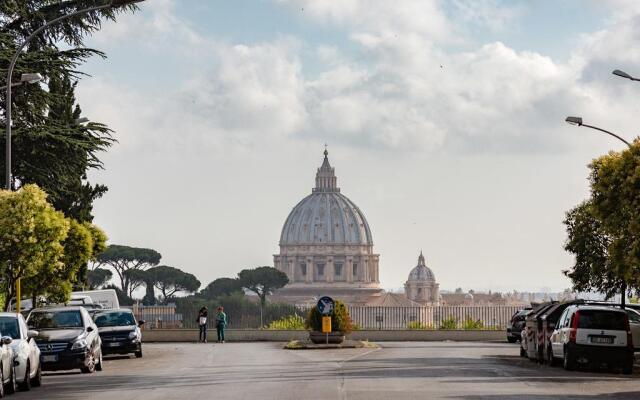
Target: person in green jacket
[[221, 323]]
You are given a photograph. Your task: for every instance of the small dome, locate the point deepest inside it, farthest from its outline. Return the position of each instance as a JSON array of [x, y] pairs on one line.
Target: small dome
[[421, 273]]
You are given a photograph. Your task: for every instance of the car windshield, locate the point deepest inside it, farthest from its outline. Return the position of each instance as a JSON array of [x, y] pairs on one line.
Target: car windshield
[[9, 327], [601, 319], [55, 319], [115, 318]]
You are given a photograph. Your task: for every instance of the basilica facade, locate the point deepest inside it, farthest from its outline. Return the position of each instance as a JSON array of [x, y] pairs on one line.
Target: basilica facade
[[326, 247]]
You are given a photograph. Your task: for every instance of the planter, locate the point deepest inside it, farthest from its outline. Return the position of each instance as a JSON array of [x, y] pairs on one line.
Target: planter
[[320, 338]]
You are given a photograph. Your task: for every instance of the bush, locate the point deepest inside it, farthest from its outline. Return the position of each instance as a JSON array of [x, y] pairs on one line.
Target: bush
[[290, 322], [418, 326], [340, 319], [470, 324], [449, 323]]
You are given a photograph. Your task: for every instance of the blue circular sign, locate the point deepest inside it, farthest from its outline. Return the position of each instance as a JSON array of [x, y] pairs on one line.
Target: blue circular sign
[[326, 305]]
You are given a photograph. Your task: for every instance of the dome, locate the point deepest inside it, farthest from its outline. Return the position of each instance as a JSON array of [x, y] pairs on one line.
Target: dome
[[468, 296], [326, 216], [421, 273]]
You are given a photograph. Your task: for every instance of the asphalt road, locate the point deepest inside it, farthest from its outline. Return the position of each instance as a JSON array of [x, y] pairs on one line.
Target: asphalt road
[[411, 370]]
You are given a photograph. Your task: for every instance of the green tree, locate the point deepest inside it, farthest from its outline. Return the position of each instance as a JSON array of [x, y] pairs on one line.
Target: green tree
[[32, 237], [262, 281], [604, 232], [169, 281], [125, 258], [221, 287], [98, 277], [51, 149]]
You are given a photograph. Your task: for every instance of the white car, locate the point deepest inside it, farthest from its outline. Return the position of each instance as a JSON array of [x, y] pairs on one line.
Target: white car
[[26, 353], [7, 370], [634, 321], [592, 334]]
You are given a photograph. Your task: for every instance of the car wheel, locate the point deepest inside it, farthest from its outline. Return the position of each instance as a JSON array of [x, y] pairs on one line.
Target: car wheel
[[26, 383], [523, 353], [90, 366], [11, 385], [568, 361], [511, 339], [99, 363], [627, 367], [551, 360], [1, 380], [37, 380]]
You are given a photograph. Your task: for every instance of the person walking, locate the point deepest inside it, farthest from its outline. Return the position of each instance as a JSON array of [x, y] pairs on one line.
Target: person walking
[[202, 324], [221, 323]]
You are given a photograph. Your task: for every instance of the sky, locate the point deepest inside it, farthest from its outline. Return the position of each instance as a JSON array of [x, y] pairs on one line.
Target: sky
[[444, 121]]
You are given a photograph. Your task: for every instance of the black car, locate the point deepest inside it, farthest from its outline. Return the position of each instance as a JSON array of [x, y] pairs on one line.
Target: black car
[[119, 331], [67, 338], [516, 325]]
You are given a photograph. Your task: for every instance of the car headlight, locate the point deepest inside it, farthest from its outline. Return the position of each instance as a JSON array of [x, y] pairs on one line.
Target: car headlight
[[133, 335], [79, 344]]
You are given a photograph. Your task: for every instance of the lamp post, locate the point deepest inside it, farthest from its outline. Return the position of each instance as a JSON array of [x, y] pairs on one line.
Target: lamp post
[[24, 79], [623, 74], [578, 121], [29, 78]]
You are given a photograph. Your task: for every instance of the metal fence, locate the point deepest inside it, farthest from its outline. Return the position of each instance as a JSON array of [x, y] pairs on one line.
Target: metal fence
[[248, 316]]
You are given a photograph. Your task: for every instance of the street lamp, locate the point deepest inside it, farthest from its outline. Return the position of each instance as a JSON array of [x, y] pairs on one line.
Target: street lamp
[[578, 121], [31, 78], [623, 74], [26, 78]]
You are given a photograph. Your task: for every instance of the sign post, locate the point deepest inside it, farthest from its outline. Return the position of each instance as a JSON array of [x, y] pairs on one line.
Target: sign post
[[326, 305]]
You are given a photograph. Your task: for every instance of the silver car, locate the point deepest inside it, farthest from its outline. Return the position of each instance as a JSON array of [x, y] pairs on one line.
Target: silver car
[[26, 354]]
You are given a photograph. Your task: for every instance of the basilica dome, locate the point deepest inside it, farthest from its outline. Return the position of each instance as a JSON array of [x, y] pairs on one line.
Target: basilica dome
[[326, 216], [421, 273]]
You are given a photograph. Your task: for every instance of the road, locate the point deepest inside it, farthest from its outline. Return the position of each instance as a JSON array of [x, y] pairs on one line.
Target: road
[[408, 370]]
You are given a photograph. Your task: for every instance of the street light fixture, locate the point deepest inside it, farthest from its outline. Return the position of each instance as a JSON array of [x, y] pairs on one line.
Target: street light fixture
[[578, 121], [623, 74], [25, 78]]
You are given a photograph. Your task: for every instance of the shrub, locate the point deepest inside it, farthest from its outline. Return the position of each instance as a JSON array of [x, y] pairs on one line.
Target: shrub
[[418, 326], [340, 319], [449, 323], [470, 324], [290, 322]]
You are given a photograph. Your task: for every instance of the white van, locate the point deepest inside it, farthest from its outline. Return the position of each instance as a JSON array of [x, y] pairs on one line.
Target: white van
[[592, 334], [107, 298]]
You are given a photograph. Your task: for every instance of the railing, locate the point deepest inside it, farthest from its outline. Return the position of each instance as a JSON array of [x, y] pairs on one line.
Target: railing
[[248, 316]]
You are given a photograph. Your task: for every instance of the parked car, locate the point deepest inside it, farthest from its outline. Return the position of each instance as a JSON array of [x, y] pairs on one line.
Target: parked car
[[634, 323], [516, 324], [26, 354], [120, 332], [7, 369], [68, 339], [592, 334]]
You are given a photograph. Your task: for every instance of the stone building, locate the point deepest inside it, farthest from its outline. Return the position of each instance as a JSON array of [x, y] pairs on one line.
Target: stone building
[[326, 247], [421, 285]]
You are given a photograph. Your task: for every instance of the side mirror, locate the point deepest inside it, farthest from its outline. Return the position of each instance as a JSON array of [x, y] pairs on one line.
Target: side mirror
[[90, 329], [6, 340], [141, 322], [32, 334]]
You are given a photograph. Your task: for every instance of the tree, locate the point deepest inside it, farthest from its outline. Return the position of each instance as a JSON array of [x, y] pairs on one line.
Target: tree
[[51, 148], [32, 236], [98, 277], [221, 287], [169, 281], [262, 281], [99, 244], [604, 231], [124, 258]]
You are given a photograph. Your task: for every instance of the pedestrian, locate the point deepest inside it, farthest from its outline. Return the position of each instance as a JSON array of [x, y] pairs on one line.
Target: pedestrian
[[202, 323], [221, 323]]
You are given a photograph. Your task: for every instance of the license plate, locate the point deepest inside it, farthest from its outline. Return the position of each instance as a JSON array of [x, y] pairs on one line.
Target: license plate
[[602, 339], [114, 344], [53, 358]]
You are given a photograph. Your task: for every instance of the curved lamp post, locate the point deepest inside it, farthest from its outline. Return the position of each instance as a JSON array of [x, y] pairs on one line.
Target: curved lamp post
[[623, 74], [32, 79]]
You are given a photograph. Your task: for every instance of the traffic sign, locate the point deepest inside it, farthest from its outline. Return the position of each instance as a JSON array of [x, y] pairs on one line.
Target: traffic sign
[[326, 324], [326, 305]]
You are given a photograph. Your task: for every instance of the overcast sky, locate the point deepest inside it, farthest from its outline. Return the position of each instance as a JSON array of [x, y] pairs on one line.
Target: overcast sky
[[444, 121]]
